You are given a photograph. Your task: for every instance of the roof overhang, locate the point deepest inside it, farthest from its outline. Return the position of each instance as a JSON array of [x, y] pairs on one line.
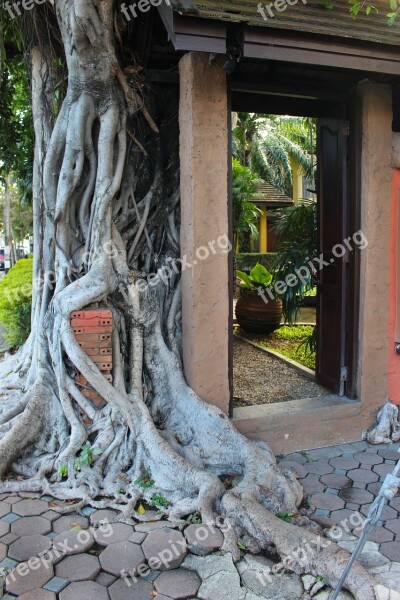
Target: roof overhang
[[306, 34]]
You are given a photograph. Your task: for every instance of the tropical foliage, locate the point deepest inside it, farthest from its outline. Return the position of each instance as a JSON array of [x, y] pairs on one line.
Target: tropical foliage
[[269, 145], [15, 302], [245, 214]]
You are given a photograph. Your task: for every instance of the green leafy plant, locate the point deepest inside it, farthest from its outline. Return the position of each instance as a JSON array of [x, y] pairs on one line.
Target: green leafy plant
[[88, 454], [246, 215], [194, 518], [158, 501], [258, 276], [242, 545], [15, 302], [63, 471], [145, 482], [285, 516], [297, 239]]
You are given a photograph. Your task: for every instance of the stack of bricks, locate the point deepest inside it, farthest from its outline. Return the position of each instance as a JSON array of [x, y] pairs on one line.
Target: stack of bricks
[[93, 332]]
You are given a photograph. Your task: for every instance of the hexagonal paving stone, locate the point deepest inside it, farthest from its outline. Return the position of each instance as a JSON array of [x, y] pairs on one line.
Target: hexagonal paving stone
[[327, 501], [74, 541], [300, 470], [336, 481], [387, 512], [368, 458], [151, 526], [113, 533], [166, 545], [391, 550], [4, 508], [393, 525], [344, 463], [395, 503], [39, 594], [378, 535], [374, 488], [389, 454], [66, 523], [103, 515], [312, 485], [24, 578], [130, 590], [319, 467], [178, 584], [12, 499], [29, 545], [30, 526], [105, 579], [362, 475], [202, 540], [383, 469], [30, 508], [85, 590], [122, 556], [4, 528], [356, 496], [342, 518], [80, 567], [3, 551]]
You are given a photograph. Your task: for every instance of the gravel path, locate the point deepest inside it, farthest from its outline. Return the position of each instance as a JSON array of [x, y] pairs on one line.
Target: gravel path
[[259, 378]]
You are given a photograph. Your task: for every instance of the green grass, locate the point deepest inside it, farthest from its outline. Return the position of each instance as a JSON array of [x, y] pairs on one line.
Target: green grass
[[286, 341], [15, 302]]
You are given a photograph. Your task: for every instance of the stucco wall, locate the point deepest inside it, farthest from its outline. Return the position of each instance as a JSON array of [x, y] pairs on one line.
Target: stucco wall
[[204, 196], [376, 190]]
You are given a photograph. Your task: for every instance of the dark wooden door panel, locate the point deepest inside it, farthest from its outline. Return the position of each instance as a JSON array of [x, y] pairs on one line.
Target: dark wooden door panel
[[332, 230]]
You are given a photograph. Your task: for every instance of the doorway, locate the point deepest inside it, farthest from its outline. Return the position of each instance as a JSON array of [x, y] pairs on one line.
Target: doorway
[[335, 264]]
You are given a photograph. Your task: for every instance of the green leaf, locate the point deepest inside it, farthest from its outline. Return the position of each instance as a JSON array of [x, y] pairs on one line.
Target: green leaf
[[245, 279], [260, 275], [393, 5]]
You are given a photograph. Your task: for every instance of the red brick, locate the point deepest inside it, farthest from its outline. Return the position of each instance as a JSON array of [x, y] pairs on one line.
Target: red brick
[[94, 344], [92, 313], [97, 329], [91, 322], [99, 353]]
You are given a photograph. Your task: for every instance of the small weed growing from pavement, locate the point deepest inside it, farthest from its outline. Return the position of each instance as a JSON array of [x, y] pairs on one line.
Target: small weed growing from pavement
[[145, 482]]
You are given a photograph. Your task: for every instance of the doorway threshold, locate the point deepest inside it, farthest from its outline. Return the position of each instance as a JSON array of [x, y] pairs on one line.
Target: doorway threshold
[[307, 423]]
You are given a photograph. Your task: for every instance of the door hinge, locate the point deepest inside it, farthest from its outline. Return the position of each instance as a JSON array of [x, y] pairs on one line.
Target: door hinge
[[343, 374], [346, 128]]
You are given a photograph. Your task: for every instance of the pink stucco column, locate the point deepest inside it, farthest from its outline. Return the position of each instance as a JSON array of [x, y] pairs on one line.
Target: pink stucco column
[[203, 120]]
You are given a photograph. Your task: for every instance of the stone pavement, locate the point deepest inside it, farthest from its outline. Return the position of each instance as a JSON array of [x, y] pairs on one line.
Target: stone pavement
[[47, 556]]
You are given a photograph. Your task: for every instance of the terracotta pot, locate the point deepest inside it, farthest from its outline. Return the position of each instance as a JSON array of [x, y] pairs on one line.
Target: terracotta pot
[[256, 316]]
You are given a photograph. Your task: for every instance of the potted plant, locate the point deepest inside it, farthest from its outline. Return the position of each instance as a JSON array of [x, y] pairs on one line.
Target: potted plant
[[258, 309]]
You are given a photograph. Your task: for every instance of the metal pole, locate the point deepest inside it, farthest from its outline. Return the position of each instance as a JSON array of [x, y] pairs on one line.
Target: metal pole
[[387, 492]]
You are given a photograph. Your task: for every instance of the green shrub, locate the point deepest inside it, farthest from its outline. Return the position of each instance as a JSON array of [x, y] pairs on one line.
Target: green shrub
[[15, 302]]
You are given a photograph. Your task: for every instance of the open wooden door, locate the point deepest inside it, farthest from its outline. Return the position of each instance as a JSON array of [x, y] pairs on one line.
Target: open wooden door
[[332, 136]]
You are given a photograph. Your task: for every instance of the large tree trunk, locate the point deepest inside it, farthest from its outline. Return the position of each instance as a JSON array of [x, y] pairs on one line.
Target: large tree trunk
[[109, 195]]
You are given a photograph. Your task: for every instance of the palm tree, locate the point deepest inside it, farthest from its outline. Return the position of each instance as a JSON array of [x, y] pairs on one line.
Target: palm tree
[[269, 144]]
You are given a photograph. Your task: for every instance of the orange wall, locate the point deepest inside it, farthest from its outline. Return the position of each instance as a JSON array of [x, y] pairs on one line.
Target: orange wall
[[394, 359]]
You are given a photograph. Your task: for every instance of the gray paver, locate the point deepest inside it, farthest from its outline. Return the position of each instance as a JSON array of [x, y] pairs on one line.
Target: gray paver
[[39, 594], [203, 540], [178, 584], [80, 567], [30, 526], [167, 546], [115, 532], [84, 590], [73, 541], [29, 545], [30, 508], [66, 523], [25, 578], [122, 556], [130, 590]]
